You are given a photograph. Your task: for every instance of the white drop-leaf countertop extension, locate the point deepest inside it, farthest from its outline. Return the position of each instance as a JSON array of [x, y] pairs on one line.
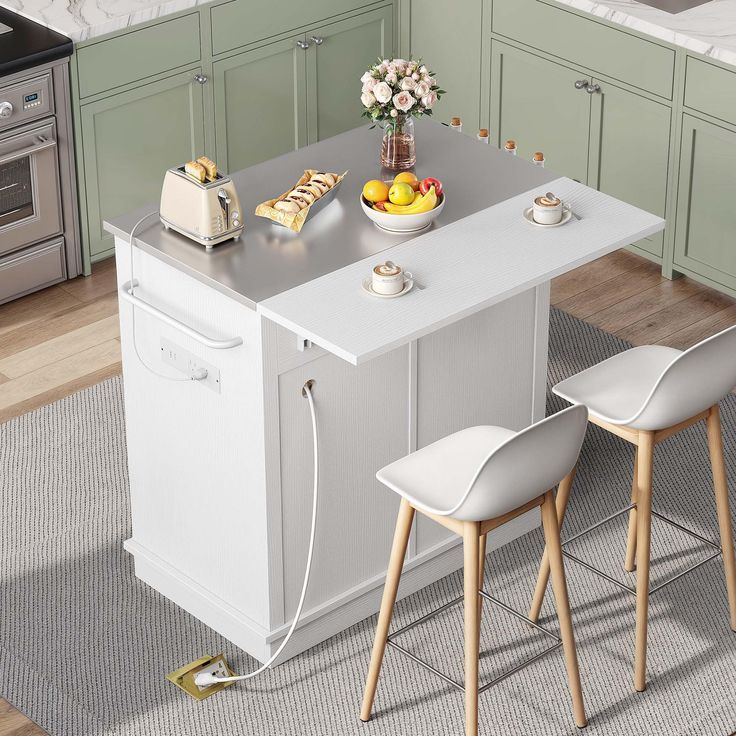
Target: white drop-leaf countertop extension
[[462, 268], [709, 29]]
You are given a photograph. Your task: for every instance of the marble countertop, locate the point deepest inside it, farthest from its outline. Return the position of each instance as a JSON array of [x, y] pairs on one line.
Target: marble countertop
[[709, 29], [85, 19]]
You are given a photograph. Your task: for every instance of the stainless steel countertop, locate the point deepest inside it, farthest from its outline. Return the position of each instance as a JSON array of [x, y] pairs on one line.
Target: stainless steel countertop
[[269, 259]]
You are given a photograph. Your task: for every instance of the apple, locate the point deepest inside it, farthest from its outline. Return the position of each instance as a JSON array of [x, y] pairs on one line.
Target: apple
[[425, 184]]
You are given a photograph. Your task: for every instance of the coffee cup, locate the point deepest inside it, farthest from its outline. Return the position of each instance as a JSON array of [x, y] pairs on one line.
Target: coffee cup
[[388, 278], [547, 211]]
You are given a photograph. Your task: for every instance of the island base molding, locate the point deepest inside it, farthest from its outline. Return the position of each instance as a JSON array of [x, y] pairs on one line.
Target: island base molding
[[323, 621]]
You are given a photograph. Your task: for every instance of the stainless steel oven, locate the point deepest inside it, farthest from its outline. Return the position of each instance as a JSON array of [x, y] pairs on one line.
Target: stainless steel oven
[[30, 200]]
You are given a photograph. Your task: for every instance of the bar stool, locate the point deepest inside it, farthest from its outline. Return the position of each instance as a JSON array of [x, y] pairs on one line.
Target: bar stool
[[646, 395], [486, 476]]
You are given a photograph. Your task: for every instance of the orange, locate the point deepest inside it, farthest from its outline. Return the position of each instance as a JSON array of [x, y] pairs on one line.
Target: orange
[[407, 177], [401, 193], [375, 190]]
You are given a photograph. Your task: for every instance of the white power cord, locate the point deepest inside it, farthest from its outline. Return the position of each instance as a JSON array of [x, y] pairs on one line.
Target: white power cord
[[204, 679]]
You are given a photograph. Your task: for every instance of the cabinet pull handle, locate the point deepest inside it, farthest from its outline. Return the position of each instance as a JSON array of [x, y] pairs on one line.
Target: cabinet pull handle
[[302, 44], [317, 40], [200, 78], [581, 84], [591, 89]]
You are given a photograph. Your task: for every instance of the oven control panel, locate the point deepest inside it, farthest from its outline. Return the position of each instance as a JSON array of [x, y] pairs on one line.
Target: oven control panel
[[25, 100]]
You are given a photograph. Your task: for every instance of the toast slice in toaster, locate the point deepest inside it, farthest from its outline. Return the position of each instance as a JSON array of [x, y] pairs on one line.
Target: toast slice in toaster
[[210, 167], [196, 171]]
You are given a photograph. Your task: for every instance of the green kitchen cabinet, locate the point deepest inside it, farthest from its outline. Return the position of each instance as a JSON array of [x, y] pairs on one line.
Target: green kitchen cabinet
[[629, 151], [705, 231], [130, 139], [536, 103], [337, 57], [260, 104], [448, 35]]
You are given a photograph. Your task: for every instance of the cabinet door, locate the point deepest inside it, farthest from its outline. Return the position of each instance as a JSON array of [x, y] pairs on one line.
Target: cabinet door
[[260, 104], [629, 152], [534, 102], [447, 36], [129, 140], [338, 55], [706, 217]]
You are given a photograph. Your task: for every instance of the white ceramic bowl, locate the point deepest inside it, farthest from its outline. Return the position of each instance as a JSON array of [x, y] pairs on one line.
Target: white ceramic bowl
[[402, 223]]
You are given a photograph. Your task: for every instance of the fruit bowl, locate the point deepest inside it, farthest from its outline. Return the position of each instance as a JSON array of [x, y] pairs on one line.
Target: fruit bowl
[[402, 223]]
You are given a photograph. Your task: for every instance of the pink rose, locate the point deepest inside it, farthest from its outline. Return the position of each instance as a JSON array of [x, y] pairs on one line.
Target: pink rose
[[382, 92], [403, 101], [369, 84], [366, 78], [368, 99], [421, 90], [391, 78], [407, 83], [429, 100]]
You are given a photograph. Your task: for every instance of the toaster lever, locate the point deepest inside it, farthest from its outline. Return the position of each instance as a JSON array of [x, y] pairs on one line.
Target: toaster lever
[[225, 201]]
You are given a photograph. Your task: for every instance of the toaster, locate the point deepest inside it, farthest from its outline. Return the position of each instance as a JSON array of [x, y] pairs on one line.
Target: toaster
[[209, 213]]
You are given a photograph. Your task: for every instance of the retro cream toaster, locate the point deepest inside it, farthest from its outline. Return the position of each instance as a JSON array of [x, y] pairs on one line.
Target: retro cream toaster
[[208, 212]]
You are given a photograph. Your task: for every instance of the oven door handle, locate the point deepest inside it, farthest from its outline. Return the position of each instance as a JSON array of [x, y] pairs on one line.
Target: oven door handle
[[125, 293], [41, 144]]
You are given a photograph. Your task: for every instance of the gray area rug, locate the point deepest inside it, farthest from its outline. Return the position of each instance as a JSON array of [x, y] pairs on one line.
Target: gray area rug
[[84, 646]]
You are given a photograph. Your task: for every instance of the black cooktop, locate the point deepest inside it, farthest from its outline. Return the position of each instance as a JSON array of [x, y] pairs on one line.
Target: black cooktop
[[29, 44]]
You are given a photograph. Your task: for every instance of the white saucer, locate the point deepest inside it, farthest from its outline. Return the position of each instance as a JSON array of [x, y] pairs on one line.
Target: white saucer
[[566, 217], [368, 286]]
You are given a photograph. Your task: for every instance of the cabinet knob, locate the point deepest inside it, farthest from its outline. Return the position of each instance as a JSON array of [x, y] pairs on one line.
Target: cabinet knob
[[200, 78], [581, 83], [591, 89], [302, 44], [317, 40]]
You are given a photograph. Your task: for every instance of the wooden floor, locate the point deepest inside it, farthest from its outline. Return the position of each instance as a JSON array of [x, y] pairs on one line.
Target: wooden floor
[[65, 338]]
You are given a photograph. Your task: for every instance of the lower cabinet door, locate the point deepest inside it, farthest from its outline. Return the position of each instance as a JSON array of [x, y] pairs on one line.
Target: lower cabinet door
[[706, 217], [129, 141], [629, 151], [339, 53], [260, 103], [534, 101]]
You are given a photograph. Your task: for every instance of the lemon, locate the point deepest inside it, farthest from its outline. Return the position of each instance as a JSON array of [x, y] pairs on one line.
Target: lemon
[[401, 193], [375, 190]]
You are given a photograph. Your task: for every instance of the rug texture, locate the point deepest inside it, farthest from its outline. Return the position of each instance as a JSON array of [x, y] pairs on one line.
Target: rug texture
[[84, 645]]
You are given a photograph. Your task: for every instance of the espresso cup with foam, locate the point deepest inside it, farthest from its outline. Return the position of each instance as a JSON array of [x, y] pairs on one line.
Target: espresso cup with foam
[[388, 278], [547, 211]]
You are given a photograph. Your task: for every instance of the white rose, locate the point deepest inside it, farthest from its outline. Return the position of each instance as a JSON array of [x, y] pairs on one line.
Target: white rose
[[394, 113], [403, 101], [366, 78], [369, 84], [423, 70], [408, 83], [415, 77], [429, 100], [427, 79], [368, 99], [382, 92], [421, 90], [382, 67], [391, 78]]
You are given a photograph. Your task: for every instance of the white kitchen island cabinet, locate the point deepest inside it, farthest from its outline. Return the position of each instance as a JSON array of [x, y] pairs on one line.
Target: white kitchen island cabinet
[[221, 470]]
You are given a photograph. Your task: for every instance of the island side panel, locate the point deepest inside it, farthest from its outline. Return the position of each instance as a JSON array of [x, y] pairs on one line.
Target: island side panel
[[196, 456], [485, 369]]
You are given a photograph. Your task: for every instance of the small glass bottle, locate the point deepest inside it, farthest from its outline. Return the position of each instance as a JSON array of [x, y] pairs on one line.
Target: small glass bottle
[[456, 124], [510, 147], [483, 136], [538, 159]]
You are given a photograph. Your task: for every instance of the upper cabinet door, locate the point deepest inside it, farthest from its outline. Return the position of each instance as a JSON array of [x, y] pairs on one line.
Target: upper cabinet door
[[706, 217], [447, 36], [260, 103], [629, 151], [536, 103], [130, 139], [338, 55]]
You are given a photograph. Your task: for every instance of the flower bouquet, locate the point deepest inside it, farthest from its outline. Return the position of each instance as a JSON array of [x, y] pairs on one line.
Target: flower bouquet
[[394, 91]]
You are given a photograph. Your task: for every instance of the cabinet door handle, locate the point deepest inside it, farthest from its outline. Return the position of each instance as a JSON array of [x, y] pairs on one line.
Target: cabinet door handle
[[581, 84], [302, 44], [591, 89], [200, 78], [317, 40]]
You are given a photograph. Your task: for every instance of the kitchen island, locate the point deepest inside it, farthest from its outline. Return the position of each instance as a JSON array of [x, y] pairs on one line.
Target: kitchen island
[[221, 469]]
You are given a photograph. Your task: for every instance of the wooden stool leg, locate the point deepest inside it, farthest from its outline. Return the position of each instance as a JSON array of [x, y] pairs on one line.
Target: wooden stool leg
[[643, 539], [720, 482], [559, 587], [563, 495], [630, 563], [471, 545], [481, 573], [393, 576]]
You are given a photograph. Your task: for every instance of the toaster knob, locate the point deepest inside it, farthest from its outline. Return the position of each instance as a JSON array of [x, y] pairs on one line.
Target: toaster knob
[[236, 222], [236, 216]]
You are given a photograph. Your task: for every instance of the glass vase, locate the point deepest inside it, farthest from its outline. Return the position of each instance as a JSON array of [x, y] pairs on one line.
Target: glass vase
[[398, 150]]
